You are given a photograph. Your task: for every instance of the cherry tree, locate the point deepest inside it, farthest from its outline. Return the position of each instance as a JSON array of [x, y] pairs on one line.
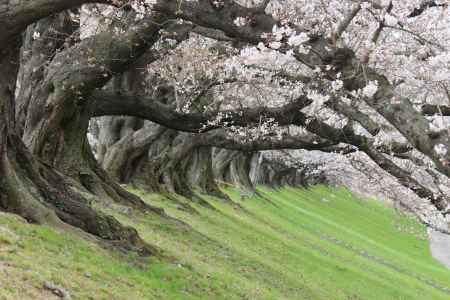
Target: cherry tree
[[236, 77]]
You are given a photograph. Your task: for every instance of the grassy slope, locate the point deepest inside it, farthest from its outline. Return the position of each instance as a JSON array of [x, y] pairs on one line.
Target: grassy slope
[[291, 244]]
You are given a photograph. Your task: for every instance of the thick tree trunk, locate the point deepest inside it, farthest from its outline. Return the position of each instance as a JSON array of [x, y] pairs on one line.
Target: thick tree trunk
[[35, 53], [66, 148], [221, 163], [35, 190], [121, 158], [14, 194], [201, 174], [240, 174], [59, 108], [241, 169], [155, 158]]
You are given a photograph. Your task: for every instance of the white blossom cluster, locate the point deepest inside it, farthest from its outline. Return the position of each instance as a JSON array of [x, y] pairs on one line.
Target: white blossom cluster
[[413, 53], [142, 7]]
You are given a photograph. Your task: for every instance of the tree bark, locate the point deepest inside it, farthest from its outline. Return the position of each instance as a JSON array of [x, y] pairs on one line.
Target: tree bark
[[35, 53], [59, 110], [16, 15], [34, 189], [240, 174], [201, 173]]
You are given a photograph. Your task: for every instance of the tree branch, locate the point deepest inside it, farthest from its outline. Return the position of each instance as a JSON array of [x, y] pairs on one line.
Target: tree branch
[[220, 16], [399, 111], [435, 110], [14, 18], [221, 139], [346, 22], [422, 8], [107, 103], [354, 114]]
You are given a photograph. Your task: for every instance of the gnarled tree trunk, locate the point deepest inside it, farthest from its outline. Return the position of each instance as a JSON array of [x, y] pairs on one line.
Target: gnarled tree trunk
[[35, 190], [58, 109]]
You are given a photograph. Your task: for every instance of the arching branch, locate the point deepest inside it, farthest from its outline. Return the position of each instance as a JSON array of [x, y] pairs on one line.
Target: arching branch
[[107, 103], [398, 110], [15, 16], [156, 112]]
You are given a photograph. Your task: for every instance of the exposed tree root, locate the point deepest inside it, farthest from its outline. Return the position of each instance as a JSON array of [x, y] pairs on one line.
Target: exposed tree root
[[42, 195]]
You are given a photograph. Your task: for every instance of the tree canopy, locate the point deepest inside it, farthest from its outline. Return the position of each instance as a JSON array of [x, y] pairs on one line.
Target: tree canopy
[[93, 93]]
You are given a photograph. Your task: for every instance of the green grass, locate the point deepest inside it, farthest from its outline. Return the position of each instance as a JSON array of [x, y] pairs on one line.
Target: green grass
[[319, 243]]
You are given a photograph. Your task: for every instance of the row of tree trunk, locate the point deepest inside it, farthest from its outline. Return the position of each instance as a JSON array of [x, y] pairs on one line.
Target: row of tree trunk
[[49, 174], [158, 159], [48, 170]]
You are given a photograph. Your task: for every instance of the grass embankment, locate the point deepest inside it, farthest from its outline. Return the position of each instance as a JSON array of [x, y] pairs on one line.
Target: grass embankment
[[319, 243]]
